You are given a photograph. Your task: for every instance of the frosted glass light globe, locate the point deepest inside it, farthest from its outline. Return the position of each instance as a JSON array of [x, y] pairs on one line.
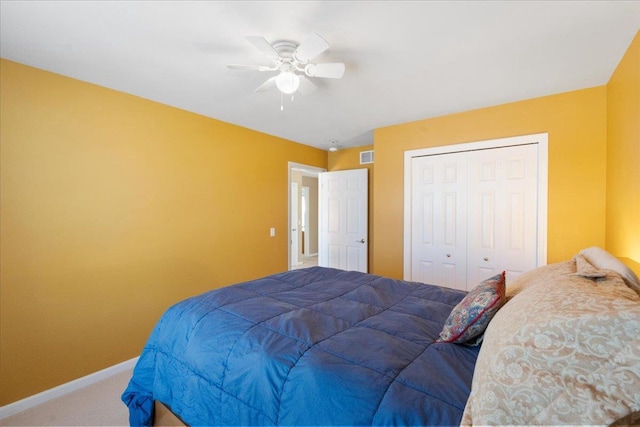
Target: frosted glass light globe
[[287, 82]]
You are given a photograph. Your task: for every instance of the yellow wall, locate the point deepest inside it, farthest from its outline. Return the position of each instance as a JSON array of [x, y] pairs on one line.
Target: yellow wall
[[112, 208], [576, 124], [623, 158]]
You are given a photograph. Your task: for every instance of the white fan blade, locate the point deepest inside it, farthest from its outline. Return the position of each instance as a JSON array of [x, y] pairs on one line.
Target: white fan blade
[[250, 67], [271, 82], [311, 47], [332, 70], [264, 46], [306, 85]]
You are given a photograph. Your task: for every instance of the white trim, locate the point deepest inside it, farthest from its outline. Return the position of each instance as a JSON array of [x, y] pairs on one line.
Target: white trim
[[542, 142], [61, 390], [543, 196], [305, 193]]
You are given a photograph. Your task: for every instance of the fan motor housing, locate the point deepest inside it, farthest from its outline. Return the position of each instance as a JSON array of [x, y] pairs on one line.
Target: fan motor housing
[[285, 48]]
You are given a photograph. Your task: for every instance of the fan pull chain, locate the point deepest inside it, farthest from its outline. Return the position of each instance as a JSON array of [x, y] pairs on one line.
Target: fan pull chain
[[282, 101]]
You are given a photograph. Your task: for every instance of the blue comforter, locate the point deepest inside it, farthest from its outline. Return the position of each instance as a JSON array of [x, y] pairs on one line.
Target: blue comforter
[[316, 346]]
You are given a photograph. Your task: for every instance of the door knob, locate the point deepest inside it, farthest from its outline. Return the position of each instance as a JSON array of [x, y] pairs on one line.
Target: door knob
[[360, 241], [486, 258]]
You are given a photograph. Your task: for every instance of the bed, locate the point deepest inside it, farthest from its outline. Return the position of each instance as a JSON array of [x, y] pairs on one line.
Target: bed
[[322, 346]]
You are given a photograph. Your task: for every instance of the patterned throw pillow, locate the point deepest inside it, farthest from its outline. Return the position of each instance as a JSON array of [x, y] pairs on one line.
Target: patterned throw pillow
[[469, 319]]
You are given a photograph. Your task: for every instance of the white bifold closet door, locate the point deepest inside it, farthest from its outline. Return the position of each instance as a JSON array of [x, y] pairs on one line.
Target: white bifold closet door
[[474, 214]]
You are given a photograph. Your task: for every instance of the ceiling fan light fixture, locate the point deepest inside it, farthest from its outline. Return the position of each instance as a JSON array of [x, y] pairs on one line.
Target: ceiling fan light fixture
[[291, 59], [288, 82]]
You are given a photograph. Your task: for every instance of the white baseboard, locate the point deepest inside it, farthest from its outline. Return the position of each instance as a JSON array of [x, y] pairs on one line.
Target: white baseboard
[[61, 390]]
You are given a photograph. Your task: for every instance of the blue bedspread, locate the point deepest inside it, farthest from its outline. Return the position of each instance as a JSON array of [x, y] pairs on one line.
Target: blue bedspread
[[316, 346]]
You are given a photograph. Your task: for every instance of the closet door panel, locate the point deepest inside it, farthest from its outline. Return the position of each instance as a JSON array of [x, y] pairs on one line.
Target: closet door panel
[[501, 212], [438, 218]]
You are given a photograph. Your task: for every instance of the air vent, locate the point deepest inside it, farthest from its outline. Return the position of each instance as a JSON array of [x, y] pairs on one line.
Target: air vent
[[366, 157]]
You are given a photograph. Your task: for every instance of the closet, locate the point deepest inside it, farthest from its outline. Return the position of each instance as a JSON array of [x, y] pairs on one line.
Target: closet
[[473, 211]]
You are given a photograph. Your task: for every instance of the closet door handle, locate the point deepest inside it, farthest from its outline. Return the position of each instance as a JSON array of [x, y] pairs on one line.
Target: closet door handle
[[486, 258]]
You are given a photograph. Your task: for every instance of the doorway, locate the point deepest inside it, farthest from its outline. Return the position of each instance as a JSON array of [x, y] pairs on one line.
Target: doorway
[[302, 214]]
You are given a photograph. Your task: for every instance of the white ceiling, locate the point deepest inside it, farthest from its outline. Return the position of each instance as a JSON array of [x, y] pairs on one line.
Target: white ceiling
[[405, 60]]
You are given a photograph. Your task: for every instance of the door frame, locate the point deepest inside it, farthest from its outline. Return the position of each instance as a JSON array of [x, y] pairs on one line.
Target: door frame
[[305, 217], [294, 202], [307, 169], [542, 142]]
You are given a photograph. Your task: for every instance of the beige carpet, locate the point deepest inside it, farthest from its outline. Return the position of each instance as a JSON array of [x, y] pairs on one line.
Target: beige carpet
[[306, 262], [96, 405]]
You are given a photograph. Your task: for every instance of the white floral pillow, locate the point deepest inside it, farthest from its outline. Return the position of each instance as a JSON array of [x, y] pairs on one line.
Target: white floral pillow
[[603, 260]]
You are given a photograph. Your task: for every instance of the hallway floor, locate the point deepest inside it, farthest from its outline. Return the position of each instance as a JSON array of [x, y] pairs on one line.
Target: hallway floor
[[305, 262]]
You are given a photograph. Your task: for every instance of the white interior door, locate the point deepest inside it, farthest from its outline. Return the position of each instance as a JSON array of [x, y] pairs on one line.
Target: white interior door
[[439, 220], [343, 220], [294, 225]]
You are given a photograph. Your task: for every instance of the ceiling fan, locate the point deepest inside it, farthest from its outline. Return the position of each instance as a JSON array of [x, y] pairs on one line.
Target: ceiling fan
[[292, 62]]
